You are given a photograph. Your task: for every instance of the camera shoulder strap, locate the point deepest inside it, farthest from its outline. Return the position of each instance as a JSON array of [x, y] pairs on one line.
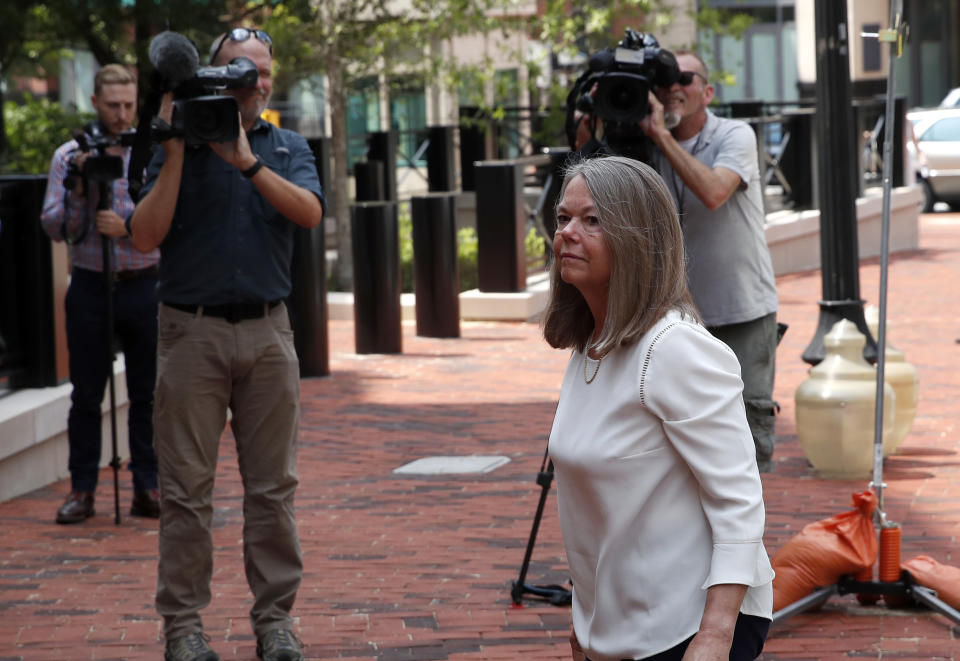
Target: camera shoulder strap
[[140, 156]]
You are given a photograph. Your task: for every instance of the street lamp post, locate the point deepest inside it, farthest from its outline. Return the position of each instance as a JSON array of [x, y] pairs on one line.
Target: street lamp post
[[837, 180]]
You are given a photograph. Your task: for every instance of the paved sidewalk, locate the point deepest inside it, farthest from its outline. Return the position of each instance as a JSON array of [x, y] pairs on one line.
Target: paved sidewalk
[[401, 567]]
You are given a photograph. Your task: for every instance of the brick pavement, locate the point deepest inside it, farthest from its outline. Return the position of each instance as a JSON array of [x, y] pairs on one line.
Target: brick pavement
[[420, 567]]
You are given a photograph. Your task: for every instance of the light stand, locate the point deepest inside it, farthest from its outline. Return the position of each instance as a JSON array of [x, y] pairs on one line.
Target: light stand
[[904, 589]]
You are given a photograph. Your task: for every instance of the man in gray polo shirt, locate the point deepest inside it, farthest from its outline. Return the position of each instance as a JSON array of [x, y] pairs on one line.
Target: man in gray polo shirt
[[710, 165]]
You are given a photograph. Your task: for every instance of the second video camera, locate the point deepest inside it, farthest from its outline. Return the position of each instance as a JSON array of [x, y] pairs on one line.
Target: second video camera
[[625, 75]]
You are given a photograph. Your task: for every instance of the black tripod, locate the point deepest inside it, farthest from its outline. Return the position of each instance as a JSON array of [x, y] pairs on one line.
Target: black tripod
[[104, 169], [555, 594]]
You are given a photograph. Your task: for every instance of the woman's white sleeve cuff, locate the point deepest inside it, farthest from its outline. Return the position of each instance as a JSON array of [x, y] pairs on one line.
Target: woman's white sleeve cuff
[[743, 563]]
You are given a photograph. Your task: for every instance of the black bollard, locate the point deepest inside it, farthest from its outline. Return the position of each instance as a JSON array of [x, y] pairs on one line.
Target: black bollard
[[307, 304], [436, 272], [501, 252], [382, 146], [308, 301], [323, 156], [440, 174], [473, 145], [374, 233], [370, 184]]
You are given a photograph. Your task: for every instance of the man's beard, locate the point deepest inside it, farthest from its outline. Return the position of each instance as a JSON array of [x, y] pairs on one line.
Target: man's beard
[[252, 106], [671, 120]]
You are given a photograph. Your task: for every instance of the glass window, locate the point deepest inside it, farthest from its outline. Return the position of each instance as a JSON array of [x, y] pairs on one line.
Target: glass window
[[363, 116], [788, 51], [764, 79], [408, 116], [945, 130]]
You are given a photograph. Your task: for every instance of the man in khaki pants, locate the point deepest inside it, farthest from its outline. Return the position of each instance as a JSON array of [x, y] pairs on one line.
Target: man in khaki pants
[[223, 216]]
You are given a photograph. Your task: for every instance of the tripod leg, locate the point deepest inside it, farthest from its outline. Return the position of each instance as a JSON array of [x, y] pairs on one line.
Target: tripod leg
[[544, 478], [108, 339], [929, 598], [810, 601], [105, 245], [555, 594]]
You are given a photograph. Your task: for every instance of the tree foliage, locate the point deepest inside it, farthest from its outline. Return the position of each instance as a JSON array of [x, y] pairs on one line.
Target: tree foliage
[[35, 128]]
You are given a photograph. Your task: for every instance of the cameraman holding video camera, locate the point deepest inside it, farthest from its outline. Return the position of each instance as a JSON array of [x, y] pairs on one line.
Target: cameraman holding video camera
[[710, 165], [647, 103], [223, 215], [71, 213]]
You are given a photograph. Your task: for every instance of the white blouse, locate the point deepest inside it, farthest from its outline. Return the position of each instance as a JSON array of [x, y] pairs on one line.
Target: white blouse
[[658, 489]]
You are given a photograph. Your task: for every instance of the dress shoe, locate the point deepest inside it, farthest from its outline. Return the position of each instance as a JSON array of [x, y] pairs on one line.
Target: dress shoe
[[146, 503], [77, 508]]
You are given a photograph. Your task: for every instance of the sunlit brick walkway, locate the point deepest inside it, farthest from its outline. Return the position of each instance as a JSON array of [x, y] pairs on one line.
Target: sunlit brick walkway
[[420, 567]]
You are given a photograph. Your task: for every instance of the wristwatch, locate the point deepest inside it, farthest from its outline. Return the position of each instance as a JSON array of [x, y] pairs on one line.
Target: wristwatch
[[253, 169]]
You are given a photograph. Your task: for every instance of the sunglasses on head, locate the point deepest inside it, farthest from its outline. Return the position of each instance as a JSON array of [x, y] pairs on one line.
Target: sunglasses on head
[[686, 77], [242, 34]]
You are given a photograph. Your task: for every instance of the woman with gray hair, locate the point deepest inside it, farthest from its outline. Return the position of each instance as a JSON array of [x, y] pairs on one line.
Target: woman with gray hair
[[660, 500]]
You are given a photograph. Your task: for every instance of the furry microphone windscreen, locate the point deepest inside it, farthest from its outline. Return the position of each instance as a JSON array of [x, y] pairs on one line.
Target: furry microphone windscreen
[[174, 57]]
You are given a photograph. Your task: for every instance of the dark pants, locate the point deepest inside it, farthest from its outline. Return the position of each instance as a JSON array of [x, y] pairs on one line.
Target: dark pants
[[755, 344], [748, 637], [135, 325]]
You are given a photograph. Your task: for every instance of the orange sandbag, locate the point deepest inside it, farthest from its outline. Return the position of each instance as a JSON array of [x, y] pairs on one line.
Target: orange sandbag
[[824, 551], [931, 574]]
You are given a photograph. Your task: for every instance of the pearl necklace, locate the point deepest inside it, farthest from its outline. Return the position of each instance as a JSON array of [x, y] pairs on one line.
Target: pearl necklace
[[589, 379]]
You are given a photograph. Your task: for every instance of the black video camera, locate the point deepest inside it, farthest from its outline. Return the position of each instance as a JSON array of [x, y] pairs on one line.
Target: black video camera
[[615, 88], [200, 113], [202, 116], [100, 166]]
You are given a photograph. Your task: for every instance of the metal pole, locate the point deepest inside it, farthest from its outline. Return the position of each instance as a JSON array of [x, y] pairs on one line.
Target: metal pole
[[888, 133], [837, 180]]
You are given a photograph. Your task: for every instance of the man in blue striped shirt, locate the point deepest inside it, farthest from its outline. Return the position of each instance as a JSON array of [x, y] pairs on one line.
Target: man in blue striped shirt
[[70, 213]]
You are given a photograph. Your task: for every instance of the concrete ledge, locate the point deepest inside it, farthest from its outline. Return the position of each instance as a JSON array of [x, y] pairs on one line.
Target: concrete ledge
[[474, 304], [794, 236], [33, 429]]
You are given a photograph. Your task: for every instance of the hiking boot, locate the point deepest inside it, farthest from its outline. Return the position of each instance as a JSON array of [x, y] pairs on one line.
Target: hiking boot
[[192, 647], [279, 645]]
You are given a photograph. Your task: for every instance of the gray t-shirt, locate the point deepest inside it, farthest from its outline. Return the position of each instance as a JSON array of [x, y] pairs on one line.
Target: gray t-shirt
[[728, 262]]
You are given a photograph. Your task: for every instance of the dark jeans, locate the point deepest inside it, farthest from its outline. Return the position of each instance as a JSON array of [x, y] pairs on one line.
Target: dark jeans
[[748, 637], [135, 325]]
